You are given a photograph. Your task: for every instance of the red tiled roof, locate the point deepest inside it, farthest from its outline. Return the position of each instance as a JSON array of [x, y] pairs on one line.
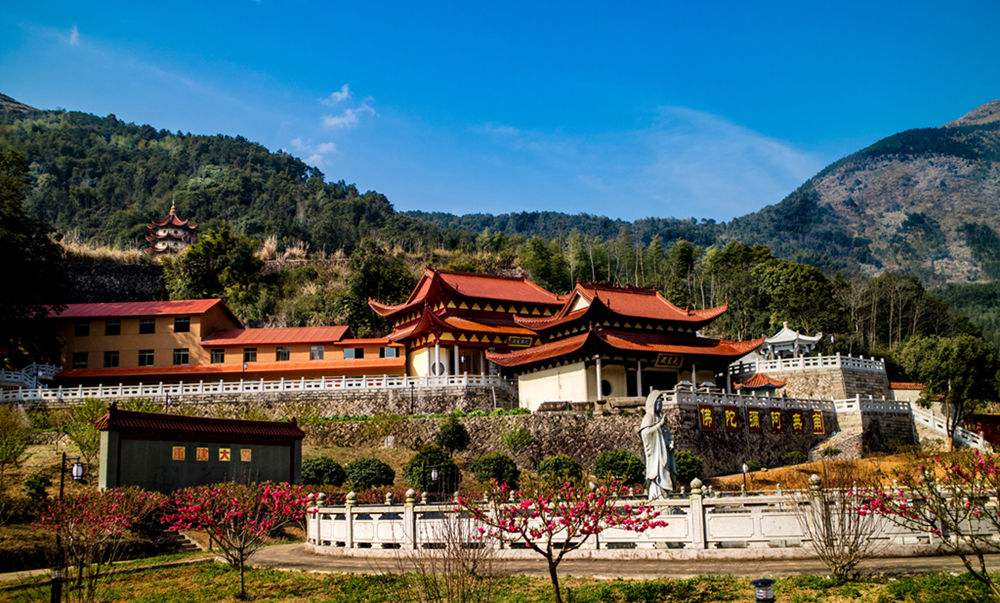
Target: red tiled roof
[[467, 284], [761, 381], [164, 425], [210, 371], [905, 385], [147, 308], [454, 323], [278, 335], [627, 340], [634, 302], [171, 220]]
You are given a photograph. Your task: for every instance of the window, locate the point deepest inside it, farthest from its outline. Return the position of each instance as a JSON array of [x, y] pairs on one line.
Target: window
[[79, 359], [354, 353], [316, 352], [180, 356], [218, 355], [111, 359], [388, 353], [81, 328], [249, 354], [145, 357], [282, 353], [147, 326], [113, 327], [182, 324]]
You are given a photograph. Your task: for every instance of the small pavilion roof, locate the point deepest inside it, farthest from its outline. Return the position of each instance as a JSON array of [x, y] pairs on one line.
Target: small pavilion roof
[[761, 381], [172, 220], [633, 302], [790, 336], [434, 283], [185, 427], [429, 321]]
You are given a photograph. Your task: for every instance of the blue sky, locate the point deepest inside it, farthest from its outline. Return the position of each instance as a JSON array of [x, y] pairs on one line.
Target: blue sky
[[668, 109]]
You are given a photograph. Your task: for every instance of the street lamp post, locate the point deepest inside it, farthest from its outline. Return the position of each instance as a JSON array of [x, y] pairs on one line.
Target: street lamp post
[[76, 472]]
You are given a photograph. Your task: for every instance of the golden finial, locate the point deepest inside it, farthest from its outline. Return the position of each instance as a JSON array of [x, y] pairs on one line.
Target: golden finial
[[173, 210]]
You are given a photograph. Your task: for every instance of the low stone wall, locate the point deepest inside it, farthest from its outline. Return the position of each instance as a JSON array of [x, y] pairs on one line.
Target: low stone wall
[[833, 383], [325, 403]]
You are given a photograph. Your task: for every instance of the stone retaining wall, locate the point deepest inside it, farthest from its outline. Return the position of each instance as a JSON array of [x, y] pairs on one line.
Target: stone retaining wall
[[833, 383]]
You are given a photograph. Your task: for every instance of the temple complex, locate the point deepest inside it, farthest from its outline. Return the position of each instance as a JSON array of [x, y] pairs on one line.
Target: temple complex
[[610, 341], [452, 319], [171, 234]]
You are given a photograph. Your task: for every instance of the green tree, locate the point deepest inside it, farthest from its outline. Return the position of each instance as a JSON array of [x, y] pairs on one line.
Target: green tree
[[13, 441], [560, 468], [546, 264], [620, 465], [367, 473], [374, 274], [32, 269], [432, 469], [689, 466], [80, 428], [799, 295], [495, 465], [962, 369], [452, 435], [322, 471]]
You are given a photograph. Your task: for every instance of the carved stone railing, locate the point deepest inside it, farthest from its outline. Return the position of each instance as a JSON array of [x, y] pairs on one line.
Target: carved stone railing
[[836, 361]]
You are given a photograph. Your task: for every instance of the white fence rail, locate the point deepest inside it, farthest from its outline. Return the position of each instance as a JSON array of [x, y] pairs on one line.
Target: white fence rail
[[718, 397], [762, 522], [29, 376], [924, 417], [214, 388], [806, 363]]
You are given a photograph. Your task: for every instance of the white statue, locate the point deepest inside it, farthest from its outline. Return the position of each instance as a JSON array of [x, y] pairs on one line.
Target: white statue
[[659, 447]]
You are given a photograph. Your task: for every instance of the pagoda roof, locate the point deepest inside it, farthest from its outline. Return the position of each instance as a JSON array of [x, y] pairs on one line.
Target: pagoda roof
[[171, 220], [627, 341], [761, 381], [633, 302], [145, 308], [787, 336], [430, 321], [435, 283], [278, 335], [187, 427]]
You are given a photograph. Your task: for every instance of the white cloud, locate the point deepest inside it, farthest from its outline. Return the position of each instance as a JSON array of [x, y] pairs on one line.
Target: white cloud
[[315, 153], [350, 117], [337, 97], [74, 36], [683, 163]]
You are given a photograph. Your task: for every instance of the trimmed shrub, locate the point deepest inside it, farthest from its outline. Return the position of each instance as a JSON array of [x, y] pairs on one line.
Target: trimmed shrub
[[495, 465], [322, 471], [452, 435], [794, 458], [35, 488], [364, 474], [560, 467], [754, 465], [419, 471], [621, 465], [689, 466]]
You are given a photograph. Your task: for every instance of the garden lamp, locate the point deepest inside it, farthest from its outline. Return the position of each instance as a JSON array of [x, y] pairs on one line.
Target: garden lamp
[[763, 591]]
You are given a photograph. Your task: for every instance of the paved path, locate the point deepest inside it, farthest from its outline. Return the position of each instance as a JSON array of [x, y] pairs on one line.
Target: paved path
[[297, 557]]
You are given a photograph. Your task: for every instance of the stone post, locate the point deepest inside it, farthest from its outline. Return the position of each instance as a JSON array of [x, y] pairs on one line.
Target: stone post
[[696, 515], [320, 501], [410, 519], [349, 503]]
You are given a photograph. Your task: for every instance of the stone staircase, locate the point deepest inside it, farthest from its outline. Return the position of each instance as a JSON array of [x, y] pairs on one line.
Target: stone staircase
[[850, 444]]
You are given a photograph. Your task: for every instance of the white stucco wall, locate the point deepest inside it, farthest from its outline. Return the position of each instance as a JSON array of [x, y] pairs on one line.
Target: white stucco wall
[[562, 383]]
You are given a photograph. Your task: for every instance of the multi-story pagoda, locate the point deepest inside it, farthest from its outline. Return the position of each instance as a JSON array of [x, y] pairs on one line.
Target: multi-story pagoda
[[452, 319], [171, 234], [616, 342]]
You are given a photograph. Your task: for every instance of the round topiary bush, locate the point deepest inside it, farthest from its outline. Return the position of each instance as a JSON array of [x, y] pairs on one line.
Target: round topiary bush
[[560, 467], [322, 471], [689, 466], [495, 465], [419, 471], [364, 474], [452, 435], [620, 465]]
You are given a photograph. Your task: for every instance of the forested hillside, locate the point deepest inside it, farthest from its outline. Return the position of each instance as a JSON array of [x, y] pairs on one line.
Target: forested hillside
[[102, 180]]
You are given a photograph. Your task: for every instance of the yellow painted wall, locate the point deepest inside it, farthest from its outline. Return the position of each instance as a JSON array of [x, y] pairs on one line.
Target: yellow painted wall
[[562, 383]]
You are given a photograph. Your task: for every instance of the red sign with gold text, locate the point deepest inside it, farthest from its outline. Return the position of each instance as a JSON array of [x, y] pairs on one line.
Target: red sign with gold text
[[817, 422], [753, 420], [705, 418], [731, 418], [775, 415], [798, 423]]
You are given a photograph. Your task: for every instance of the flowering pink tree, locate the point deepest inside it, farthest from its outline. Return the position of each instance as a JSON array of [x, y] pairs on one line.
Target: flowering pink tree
[[92, 528], [554, 520], [237, 517], [954, 498]]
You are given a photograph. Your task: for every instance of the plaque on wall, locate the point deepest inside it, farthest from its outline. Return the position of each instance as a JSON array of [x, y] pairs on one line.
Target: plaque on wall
[[798, 423], [705, 418], [817, 422], [775, 415], [753, 420], [731, 416]]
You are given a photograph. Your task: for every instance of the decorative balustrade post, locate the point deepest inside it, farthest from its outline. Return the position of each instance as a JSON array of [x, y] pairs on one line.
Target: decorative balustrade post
[[410, 519], [320, 502], [349, 503], [696, 515]]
